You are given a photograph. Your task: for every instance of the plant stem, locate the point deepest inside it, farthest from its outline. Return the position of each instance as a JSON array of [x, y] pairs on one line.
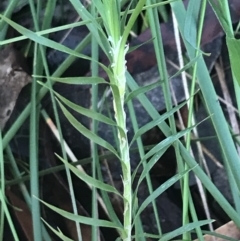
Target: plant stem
[[118, 86]]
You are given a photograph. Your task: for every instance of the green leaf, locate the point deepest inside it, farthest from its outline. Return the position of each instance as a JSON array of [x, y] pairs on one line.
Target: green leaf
[[156, 122], [58, 233], [131, 21], [217, 235], [83, 111], [94, 27], [191, 22], [185, 153], [184, 229], [181, 230], [81, 219], [87, 112], [187, 66], [124, 17], [42, 40], [159, 191], [159, 147], [234, 55], [87, 133], [222, 15], [46, 31], [76, 80], [131, 49], [89, 180], [142, 90], [151, 163]]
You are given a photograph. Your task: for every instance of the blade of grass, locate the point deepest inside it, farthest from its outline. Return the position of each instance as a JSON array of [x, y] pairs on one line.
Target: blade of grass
[[33, 154], [184, 229], [82, 219], [93, 127], [43, 91], [8, 216], [186, 155], [87, 133], [90, 180], [218, 119], [159, 191]]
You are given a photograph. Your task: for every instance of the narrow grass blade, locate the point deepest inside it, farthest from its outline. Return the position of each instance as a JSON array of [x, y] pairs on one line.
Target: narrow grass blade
[[168, 141], [87, 112], [160, 148], [223, 15], [83, 111], [58, 233], [89, 180], [187, 156], [191, 20], [46, 31], [184, 229], [131, 21], [218, 235], [156, 122], [131, 49], [87, 133], [159, 191], [82, 219], [94, 27], [234, 54], [141, 90], [187, 66], [211, 100], [77, 80], [151, 163], [8, 216], [42, 40]]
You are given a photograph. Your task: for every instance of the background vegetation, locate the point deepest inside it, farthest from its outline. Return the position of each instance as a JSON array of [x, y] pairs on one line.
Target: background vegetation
[[111, 25]]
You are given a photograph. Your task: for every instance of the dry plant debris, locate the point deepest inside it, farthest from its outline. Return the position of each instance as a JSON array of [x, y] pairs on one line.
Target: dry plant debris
[[12, 79]]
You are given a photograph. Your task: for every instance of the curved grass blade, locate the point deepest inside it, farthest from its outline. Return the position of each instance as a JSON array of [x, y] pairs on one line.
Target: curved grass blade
[[58, 233], [131, 49], [191, 20], [222, 13], [89, 180], [76, 80], [159, 191], [209, 93], [156, 122], [83, 111], [234, 55], [94, 27], [42, 40], [87, 112], [131, 21], [49, 43], [184, 229], [46, 31], [186, 155], [81, 219], [87, 133], [151, 163], [141, 90], [162, 145], [187, 66], [156, 149], [218, 235], [124, 16]]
